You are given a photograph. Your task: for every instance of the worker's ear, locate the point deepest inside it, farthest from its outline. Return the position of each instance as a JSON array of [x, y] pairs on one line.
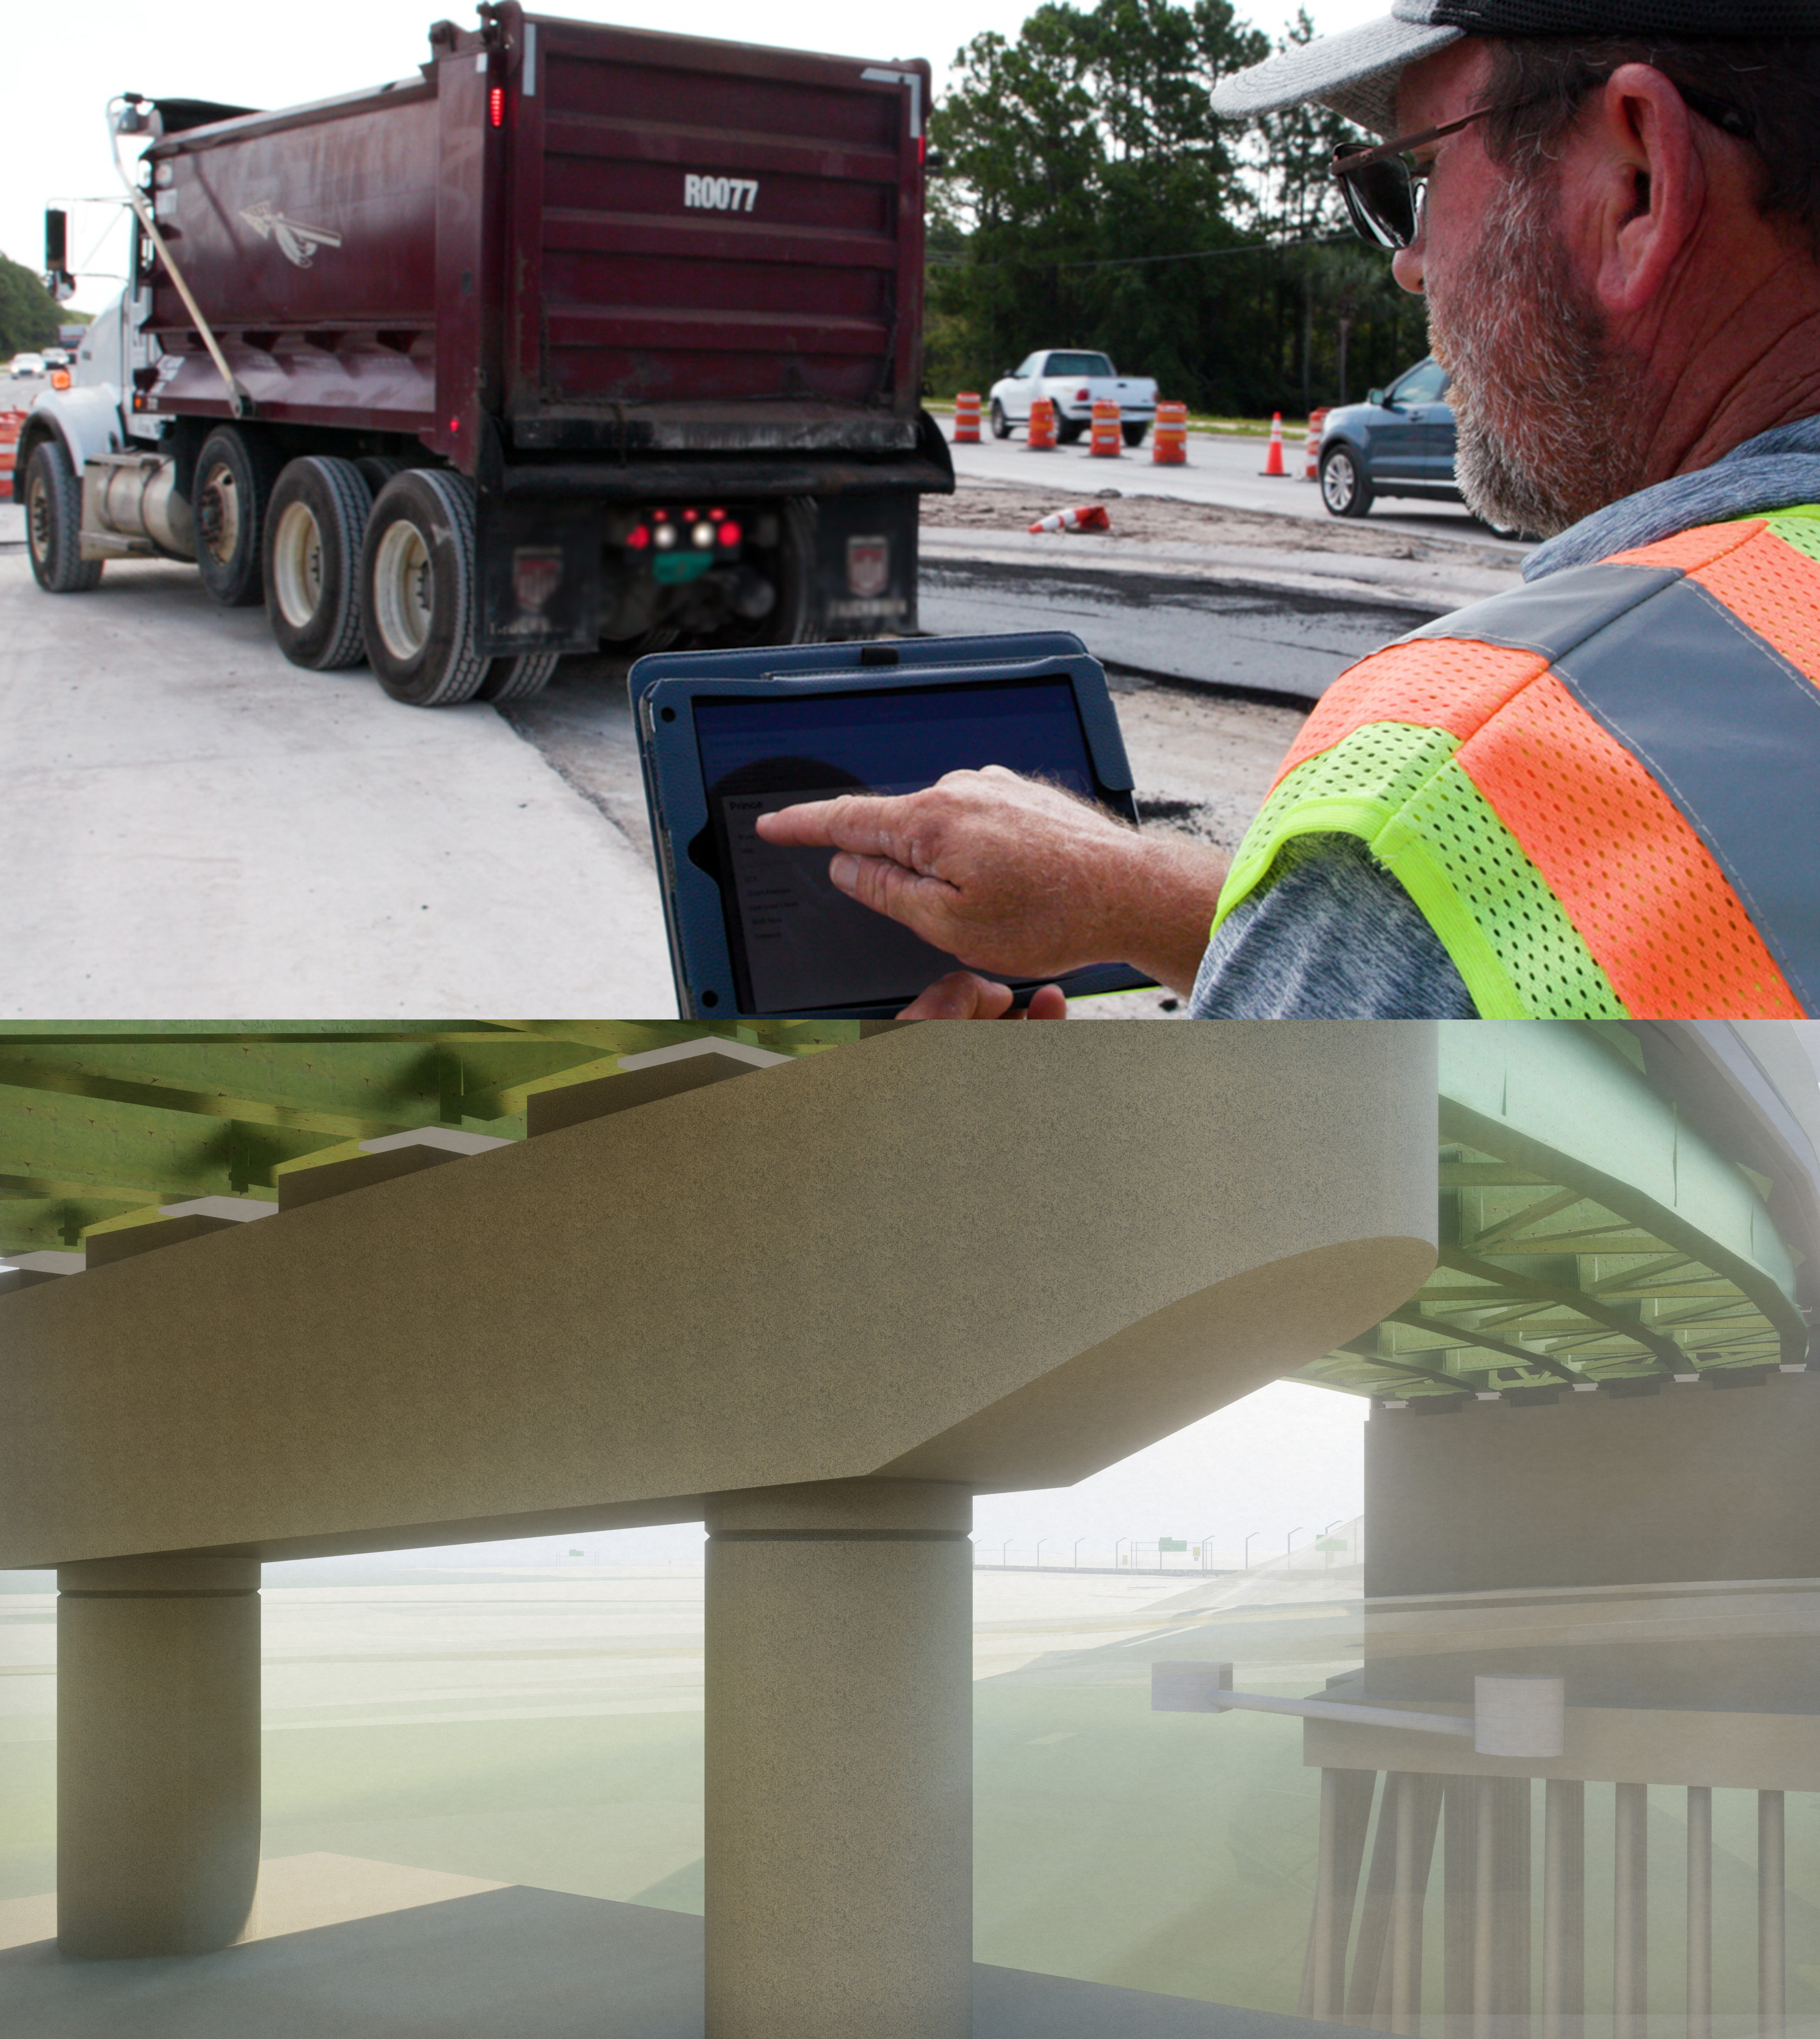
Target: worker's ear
[[1637, 182]]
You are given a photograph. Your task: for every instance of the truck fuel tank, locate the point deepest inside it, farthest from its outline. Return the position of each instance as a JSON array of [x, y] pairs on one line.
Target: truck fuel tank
[[131, 504]]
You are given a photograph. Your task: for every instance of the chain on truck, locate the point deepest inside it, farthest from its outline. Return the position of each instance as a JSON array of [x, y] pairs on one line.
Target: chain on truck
[[584, 336]]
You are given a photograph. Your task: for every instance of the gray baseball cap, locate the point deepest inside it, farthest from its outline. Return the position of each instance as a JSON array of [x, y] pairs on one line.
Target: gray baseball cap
[[1356, 73]]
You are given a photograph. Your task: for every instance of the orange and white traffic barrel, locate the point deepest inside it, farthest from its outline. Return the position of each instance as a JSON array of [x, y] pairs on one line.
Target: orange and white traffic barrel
[[967, 418], [1169, 448], [1311, 466], [1039, 437], [1107, 441], [11, 424]]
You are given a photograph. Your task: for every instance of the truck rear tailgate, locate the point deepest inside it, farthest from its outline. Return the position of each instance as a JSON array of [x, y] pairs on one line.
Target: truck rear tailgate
[[712, 245]]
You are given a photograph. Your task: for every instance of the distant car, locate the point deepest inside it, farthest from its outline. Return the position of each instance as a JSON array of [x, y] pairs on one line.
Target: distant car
[[57, 357], [1074, 381], [27, 364], [1399, 442]]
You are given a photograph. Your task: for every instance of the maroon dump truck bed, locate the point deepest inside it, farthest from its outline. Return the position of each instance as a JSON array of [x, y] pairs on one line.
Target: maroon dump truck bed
[[576, 240]]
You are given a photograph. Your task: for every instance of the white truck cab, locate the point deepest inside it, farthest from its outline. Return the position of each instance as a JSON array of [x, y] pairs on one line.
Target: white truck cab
[[1074, 380]]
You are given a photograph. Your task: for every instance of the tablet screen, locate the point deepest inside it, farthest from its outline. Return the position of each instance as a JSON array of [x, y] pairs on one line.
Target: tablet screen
[[798, 944]]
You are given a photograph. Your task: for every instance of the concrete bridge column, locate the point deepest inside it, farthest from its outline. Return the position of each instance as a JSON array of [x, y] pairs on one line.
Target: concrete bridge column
[[840, 1762], [157, 1754]]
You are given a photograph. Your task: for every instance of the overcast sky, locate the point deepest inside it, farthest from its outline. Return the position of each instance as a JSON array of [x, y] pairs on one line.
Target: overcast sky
[[66, 60]]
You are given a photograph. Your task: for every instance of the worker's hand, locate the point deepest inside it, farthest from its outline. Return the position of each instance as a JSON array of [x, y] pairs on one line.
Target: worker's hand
[[1008, 875], [961, 995]]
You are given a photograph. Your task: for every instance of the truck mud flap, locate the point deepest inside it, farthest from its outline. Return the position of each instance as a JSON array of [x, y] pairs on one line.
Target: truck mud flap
[[538, 577], [866, 564]]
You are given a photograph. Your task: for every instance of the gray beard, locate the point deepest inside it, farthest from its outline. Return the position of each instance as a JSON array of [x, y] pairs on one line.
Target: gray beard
[[1548, 417]]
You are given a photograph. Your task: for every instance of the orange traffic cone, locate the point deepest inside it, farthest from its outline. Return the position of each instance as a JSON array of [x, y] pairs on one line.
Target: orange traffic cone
[[1311, 467], [1090, 517], [1107, 441], [1169, 448], [1273, 460], [1039, 435], [967, 418]]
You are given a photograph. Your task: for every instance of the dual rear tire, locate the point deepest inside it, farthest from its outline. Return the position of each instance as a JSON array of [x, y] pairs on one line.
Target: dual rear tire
[[354, 560], [417, 567]]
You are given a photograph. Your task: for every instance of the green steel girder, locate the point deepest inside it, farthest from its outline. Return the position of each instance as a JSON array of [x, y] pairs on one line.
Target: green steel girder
[[101, 1121], [1663, 1256]]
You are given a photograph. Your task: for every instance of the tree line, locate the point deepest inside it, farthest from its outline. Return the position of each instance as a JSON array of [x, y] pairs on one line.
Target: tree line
[[29, 315], [1089, 198]]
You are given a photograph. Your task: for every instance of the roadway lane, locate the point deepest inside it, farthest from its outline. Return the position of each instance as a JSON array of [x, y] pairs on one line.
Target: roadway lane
[[1226, 472], [1281, 645]]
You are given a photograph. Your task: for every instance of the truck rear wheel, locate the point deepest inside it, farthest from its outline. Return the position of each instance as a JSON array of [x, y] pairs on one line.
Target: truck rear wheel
[[1134, 433], [1068, 430], [235, 472], [417, 590], [53, 498], [314, 527]]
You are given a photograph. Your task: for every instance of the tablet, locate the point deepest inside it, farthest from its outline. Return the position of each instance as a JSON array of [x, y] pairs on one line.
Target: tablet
[[725, 737]]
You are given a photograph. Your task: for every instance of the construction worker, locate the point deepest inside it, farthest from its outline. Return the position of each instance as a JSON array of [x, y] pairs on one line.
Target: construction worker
[[1592, 796]]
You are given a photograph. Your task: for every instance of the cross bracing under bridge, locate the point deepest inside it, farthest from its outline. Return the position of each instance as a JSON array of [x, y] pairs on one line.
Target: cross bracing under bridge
[[1591, 1235]]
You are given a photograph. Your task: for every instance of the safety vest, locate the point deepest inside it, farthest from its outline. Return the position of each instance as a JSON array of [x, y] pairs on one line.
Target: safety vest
[[1602, 789]]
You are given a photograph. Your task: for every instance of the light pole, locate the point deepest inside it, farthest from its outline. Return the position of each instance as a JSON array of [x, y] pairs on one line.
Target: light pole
[[1123, 1540], [1079, 1541], [1206, 1550], [1248, 1541], [1333, 1526], [1289, 1541], [1041, 1542], [1005, 1554]]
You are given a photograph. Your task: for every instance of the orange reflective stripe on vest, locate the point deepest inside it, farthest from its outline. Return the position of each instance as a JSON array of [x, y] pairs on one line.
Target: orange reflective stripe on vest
[[1610, 810]]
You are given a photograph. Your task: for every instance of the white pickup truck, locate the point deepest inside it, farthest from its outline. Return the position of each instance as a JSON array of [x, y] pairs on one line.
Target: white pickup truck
[[1073, 382]]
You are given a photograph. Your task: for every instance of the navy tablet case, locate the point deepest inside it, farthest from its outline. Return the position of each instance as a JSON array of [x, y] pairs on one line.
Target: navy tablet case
[[756, 931]]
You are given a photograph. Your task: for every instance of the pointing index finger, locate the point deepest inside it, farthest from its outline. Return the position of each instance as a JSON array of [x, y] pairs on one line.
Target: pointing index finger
[[867, 822]]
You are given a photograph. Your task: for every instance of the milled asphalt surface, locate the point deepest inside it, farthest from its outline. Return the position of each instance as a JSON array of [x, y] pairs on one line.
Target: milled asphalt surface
[[1244, 639]]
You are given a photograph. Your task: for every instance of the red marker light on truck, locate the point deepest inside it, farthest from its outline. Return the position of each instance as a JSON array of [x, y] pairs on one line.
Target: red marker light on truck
[[639, 539], [730, 534], [496, 105]]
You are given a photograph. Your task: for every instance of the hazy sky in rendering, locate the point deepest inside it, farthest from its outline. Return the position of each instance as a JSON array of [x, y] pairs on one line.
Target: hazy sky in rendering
[[1286, 1459], [64, 62]]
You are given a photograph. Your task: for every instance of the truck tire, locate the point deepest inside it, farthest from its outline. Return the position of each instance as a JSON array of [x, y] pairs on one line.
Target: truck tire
[[313, 527], [517, 679], [1345, 485], [1068, 430], [235, 472], [417, 590], [1001, 424], [53, 499], [1134, 433], [379, 469]]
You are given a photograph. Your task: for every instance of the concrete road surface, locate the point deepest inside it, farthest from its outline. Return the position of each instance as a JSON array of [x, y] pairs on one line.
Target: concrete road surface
[[192, 827]]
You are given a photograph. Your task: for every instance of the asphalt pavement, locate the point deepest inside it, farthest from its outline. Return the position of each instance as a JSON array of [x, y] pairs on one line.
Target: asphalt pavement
[[1226, 638]]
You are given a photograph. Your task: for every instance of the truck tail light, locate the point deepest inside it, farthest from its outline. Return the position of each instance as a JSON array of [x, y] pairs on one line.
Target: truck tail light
[[496, 105], [730, 534], [1081, 396], [638, 539]]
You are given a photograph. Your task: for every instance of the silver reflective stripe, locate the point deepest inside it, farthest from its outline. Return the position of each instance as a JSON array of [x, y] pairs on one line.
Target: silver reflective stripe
[[1730, 732], [1551, 616], [528, 89]]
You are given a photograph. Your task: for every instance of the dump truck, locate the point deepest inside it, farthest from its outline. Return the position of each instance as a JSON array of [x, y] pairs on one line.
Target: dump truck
[[583, 337]]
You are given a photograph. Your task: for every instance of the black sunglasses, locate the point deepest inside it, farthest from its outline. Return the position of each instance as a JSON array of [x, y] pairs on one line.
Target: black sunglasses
[[1382, 183]]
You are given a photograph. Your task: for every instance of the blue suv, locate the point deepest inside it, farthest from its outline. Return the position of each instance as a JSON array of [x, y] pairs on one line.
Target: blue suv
[[1399, 442]]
